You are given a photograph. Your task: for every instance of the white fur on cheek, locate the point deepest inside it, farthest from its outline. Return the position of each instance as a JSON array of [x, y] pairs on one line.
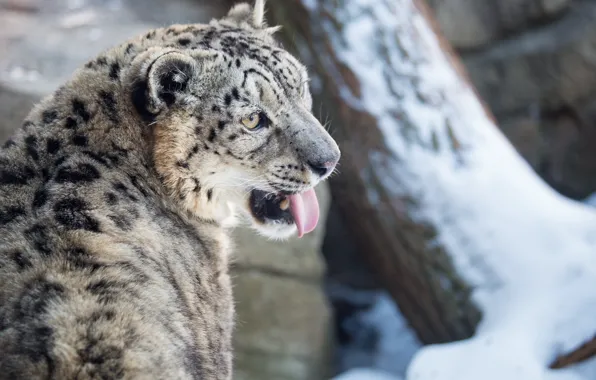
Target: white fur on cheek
[[276, 232]]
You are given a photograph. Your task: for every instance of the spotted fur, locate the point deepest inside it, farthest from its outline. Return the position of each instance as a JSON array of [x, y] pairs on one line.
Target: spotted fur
[[118, 191]]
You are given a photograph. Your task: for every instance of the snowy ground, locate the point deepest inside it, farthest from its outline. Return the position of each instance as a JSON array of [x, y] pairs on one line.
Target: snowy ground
[[374, 335], [591, 200], [366, 374]]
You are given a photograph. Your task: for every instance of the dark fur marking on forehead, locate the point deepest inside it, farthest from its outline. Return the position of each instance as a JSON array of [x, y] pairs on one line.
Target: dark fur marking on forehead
[[114, 70], [254, 71], [49, 116], [52, 146], [40, 198], [79, 109], [101, 61], [21, 177], [108, 102], [31, 147], [235, 93], [70, 123], [209, 194]]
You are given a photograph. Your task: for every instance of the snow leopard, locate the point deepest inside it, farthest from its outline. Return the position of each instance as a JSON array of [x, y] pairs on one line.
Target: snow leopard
[[119, 191]]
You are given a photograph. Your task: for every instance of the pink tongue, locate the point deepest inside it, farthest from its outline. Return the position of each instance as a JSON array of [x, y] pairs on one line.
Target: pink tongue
[[305, 210]]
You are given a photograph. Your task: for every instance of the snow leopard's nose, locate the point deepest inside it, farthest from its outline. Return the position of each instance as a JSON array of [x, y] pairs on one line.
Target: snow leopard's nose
[[322, 168]]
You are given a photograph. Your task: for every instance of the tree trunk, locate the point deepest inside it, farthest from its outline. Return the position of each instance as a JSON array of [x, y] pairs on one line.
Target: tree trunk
[[379, 210], [451, 218]]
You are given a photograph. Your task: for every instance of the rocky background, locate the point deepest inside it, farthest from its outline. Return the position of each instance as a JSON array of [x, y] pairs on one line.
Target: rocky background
[[533, 62], [310, 308]]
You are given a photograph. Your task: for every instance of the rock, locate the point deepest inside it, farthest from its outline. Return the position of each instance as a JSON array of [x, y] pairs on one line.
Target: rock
[[471, 24], [569, 162], [525, 134], [540, 86], [466, 23], [283, 325], [283, 328], [547, 68], [560, 146], [14, 107]]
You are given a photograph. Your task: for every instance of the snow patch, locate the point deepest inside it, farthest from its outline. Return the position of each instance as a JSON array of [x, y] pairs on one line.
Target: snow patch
[[365, 374], [379, 337]]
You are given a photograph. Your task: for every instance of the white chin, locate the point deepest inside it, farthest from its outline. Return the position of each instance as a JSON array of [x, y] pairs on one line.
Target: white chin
[[281, 231]]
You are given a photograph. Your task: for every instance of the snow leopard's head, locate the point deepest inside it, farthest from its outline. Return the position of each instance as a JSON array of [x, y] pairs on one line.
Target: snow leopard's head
[[233, 125]]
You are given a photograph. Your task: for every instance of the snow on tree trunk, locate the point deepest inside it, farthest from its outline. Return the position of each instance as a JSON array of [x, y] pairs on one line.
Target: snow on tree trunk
[[439, 200], [368, 82]]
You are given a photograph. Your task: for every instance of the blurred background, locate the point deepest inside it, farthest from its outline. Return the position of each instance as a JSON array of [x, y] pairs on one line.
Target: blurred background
[[317, 307]]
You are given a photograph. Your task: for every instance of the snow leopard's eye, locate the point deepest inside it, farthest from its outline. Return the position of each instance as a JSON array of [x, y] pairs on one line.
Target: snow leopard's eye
[[256, 121]]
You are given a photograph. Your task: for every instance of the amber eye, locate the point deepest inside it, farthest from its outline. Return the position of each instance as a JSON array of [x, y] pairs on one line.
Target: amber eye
[[255, 121]]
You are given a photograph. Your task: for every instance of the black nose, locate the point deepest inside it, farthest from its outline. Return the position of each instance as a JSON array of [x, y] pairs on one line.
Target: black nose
[[321, 168]]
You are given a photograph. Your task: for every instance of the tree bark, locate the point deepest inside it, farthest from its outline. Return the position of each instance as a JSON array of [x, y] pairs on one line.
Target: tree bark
[[379, 211]]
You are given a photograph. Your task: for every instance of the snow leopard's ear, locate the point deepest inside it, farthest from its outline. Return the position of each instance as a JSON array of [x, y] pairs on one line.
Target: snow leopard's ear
[[169, 77], [163, 78], [243, 14]]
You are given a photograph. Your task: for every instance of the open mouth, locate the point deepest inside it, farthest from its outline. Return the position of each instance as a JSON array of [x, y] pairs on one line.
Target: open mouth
[[301, 209]]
